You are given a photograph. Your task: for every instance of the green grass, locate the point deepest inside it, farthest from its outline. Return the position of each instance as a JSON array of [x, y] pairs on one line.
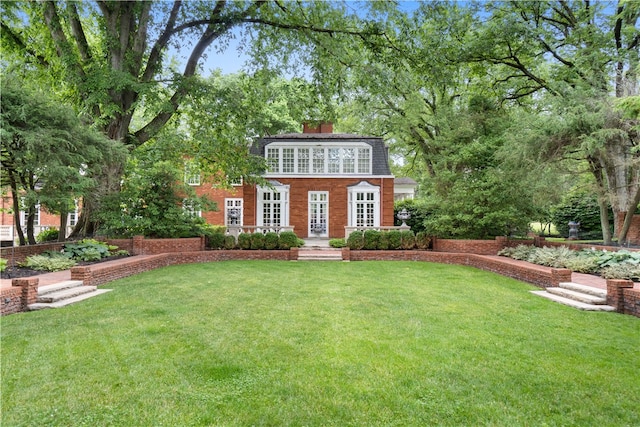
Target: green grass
[[272, 343]]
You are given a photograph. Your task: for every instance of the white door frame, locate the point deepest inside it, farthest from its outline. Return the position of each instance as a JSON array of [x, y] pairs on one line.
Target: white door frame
[[318, 223]]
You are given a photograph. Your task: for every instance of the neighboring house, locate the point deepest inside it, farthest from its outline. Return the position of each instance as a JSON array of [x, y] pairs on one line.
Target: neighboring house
[[405, 189]]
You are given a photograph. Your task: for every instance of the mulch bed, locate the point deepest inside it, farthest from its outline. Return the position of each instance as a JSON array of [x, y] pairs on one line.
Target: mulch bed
[[19, 272]]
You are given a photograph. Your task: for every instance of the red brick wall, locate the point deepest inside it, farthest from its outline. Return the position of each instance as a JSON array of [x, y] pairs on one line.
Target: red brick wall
[[22, 293], [631, 302], [218, 195], [481, 247], [17, 254]]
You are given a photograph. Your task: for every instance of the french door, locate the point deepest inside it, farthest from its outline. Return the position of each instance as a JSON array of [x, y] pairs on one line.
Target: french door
[[318, 213]]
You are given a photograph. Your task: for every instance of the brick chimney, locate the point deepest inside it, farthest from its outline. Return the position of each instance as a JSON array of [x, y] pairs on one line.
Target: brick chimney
[[323, 127]]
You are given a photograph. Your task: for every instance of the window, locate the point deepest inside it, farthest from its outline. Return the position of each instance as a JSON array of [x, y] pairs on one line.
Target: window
[[273, 159], [303, 160], [364, 205], [190, 207], [233, 212], [364, 160], [72, 219], [319, 160], [191, 174], [288, 161], [36, 218], [273, 205], [348, 160]]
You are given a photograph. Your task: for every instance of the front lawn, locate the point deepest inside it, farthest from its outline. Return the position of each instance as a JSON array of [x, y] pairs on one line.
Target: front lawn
[[278, 343]]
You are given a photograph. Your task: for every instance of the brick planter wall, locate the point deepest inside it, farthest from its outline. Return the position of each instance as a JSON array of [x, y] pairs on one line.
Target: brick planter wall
[[631, 301], [22, 293], [17, 254]]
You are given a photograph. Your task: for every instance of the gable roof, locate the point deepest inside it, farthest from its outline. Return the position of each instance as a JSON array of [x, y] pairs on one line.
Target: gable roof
[[379, 153]]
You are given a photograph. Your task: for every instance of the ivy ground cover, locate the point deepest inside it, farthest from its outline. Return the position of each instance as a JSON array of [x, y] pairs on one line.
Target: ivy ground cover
[[281, 343]]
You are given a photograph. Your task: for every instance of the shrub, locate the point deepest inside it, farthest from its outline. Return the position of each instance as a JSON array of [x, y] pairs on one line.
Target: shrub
[[49, 235], [3, 264], [355, 240], [215, 240], [229, 242], [48, 263], [244, 241], [422, 240], [257, 241], [408, 239], [86, 250], [337, 243], [622, 271], [288, 240], [383, 241], [271, 240], [395, 239], [583, 263], [371, 239]]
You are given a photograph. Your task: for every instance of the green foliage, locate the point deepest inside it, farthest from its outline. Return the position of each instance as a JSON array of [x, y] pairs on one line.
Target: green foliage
[[288, 240], [622, 271], [257, 241], [271, 240], [395, 239], [244, 240], [611, 265], [582, 208], [337, 243], [419, 211], [408, 239], [383, 241], [422, 240], [3, 264], [48, 263], [371, 239], [49, 235], [216, 240], [355, 241], [86, 250], [153, 202], [229, 242]]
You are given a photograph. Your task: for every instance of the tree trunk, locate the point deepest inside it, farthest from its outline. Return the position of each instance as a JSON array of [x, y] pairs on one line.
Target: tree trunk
[[628, 217], [62, 231]]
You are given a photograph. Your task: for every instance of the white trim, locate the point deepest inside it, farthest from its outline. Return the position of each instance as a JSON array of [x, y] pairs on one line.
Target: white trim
[[353, 204], [233, 203], [283, 202]]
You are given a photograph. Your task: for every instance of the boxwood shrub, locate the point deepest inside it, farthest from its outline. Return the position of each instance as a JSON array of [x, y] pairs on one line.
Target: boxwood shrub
[[257, 241], [244, 241], [271, 240], [395, 239], [371, 239], [355, 240], [408, 239]]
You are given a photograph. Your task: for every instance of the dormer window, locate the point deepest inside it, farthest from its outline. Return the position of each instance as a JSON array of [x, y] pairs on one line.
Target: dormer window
[[319, 160]]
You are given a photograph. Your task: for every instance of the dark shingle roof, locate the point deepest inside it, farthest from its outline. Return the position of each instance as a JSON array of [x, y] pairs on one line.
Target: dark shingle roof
[[379, 153]]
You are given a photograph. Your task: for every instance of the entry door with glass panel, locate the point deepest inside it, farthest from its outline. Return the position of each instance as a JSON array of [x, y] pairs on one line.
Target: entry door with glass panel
[[318, 212]]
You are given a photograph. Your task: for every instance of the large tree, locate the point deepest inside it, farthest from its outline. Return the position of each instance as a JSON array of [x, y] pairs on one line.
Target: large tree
[[48, 155], [111, 58], [572, 58]]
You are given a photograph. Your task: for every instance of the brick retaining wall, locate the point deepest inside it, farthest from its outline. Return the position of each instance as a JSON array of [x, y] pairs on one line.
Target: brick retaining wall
[[535, 274], [16, 298]]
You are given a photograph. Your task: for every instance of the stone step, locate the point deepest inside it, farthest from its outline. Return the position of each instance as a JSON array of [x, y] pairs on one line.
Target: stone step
[[65, 293], [573, 303], [578, 296], [67, 301], [602, 293], [67, 284], [324, 254]]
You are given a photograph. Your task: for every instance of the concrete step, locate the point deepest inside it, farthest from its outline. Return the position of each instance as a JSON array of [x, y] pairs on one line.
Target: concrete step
[[578, 296], [67, 284], [590, 290], [67, 301], [65, 293], [324, 254], [573, 303]]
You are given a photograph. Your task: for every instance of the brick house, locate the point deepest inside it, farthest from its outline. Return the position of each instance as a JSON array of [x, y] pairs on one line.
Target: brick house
[[320, 185]]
